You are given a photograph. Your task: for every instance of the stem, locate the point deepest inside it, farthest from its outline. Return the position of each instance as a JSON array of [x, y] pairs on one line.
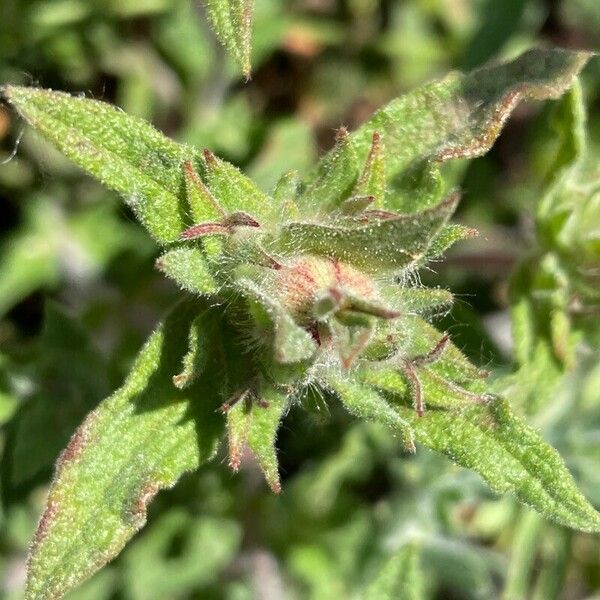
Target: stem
[[524, 546]]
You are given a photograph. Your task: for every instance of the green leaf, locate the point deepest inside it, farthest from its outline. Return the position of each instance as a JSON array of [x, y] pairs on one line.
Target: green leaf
[[546, 285], [124, 152], [286, 190], [232, 22], [447, 237], [492, 441], [254, 423], [459, 116], [372, 179], [391, 243], [189, 268], [401, 578], [233, 189], [138, 441], [335, 177], [419, 300], [263, 432], [366, 403], [197, 357], [203, 204]]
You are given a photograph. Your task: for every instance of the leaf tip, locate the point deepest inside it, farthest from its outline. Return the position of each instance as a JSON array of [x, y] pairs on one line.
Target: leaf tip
[[5, 92], [235, 457], [209, 158], [180, 381], [341, 134], [275, 485], [8, 91]]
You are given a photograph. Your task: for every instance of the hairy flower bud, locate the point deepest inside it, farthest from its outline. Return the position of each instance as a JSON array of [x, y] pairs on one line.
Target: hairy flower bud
[[302, 283]]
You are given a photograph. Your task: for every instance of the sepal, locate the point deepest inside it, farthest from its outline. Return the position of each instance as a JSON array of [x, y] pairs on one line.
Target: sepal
[[253, 423], [189, 268]]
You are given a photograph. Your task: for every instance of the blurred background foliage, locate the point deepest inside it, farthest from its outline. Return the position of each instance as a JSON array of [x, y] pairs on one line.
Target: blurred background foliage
[[79, 294]]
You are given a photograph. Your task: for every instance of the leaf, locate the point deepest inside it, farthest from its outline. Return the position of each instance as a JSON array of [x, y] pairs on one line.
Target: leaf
[[447, 237], [234, 190], [401, 578], [138, 441], [189, 268], [232, 22], [391, 243], [336, 175], [197, 357], [366, 403], [286, 190], [254, 423], [546, 285], [492, 441], [203, 204], [459, 116], [124, 152], [372, 179], [419, 300], [263, 432]]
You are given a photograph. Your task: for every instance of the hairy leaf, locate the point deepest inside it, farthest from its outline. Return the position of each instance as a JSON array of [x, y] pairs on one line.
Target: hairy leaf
[[419, 300], [233, 189], [204, 206], [458, 116], [372, 179], [390, 243], [491, 440], [366, 403], [254, 423], [197, 357], [189, 268], [335, 177], [135, 443], [124, 152], [232, 22], [447, 237]]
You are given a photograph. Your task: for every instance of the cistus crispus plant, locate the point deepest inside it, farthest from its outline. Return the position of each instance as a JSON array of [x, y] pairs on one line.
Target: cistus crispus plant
[[308, 294]]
